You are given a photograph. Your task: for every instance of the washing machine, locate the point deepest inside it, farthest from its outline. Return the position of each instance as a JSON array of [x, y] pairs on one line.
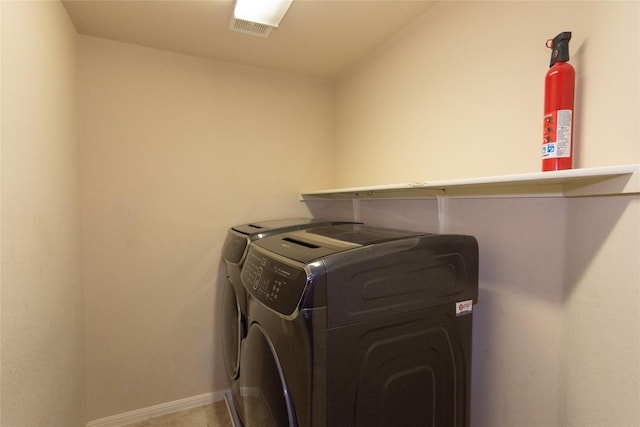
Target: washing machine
[[353, 326], [234, 309]]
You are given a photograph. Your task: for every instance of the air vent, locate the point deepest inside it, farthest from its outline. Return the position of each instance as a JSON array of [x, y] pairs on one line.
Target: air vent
[[249, 27]]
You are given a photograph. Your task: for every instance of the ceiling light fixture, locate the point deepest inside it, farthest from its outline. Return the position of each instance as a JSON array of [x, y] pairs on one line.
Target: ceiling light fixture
[[266, 12], [258, 16]]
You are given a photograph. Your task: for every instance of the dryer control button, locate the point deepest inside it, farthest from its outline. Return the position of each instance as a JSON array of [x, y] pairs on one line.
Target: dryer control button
[[256, 280]]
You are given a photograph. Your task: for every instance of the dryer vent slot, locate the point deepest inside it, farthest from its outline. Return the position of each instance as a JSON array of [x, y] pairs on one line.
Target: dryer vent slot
[[301, 243]]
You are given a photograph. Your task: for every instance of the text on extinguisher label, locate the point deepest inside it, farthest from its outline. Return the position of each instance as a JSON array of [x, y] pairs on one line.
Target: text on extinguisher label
[[557, 134]]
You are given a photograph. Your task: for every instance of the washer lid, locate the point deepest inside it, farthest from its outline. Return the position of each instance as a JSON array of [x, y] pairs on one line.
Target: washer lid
[[277, 224], [240, 236], [360, 234], [310, 244]]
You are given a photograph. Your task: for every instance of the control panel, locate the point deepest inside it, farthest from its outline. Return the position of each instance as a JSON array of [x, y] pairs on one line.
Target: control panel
[[277, 285], [233, 248]]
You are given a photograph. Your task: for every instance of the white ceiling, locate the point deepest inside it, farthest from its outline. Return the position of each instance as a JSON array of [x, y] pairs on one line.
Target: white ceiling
[[319, 38]]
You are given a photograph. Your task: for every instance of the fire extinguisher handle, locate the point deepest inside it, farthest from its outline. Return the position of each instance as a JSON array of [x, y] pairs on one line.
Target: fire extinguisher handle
[[560, 48]]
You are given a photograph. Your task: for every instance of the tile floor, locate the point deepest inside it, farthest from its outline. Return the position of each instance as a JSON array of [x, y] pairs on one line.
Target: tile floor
[[213, 415]]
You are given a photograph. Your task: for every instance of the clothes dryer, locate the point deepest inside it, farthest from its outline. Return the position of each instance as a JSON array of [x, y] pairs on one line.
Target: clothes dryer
[[352, 326], [234, 309]]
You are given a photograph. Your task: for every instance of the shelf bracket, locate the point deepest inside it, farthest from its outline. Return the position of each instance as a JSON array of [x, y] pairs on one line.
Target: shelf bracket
[[355, 203], [442, 202]]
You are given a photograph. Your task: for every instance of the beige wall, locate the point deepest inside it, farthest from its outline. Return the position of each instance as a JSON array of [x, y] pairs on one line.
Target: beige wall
[[465, 83], [459, 94], [601, 337], [174, 150], [43, 371]]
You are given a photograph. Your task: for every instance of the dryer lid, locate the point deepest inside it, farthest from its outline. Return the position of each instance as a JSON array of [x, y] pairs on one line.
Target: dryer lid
[[265, 226], [311, 244]]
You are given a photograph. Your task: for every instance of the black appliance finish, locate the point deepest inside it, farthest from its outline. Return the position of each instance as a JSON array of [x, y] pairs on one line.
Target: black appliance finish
[[234, 310], [352, 326]]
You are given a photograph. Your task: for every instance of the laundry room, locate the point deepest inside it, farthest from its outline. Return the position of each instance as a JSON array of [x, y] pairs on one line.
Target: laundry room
[[124, 163]]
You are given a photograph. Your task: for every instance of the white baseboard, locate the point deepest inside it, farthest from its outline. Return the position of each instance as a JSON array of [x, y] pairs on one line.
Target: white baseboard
[[157, 410]]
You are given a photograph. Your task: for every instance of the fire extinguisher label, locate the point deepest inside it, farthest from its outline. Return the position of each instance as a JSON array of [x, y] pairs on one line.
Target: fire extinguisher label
[[557, 134]]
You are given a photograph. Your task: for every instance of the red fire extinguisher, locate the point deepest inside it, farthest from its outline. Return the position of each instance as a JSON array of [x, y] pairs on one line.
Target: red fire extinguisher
[[559, 87]]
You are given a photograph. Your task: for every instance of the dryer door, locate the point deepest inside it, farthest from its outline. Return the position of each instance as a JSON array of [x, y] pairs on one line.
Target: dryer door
[[266, 399], [232, 331]]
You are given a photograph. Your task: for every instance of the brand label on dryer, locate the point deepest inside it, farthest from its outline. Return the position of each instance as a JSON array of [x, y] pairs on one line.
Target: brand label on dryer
[[464, 307]]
